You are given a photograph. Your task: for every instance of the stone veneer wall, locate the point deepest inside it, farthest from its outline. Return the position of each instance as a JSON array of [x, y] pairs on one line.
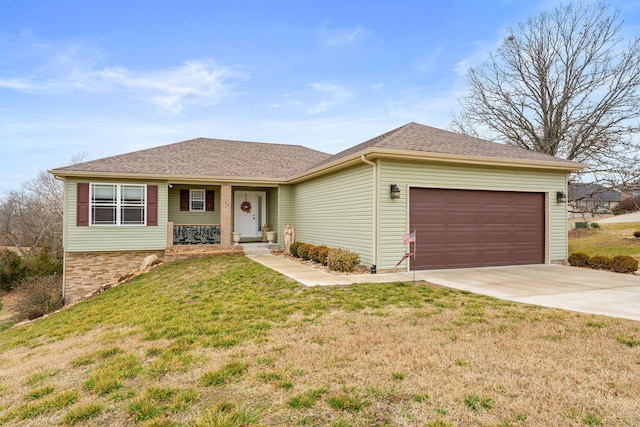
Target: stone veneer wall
[[87, 271]]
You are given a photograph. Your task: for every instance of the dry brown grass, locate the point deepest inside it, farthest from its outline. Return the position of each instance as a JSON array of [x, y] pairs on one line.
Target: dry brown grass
[[403, 361]]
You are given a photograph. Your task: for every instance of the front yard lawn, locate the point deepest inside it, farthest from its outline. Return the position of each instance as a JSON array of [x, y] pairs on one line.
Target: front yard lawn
[[228, 342], [607, 240]]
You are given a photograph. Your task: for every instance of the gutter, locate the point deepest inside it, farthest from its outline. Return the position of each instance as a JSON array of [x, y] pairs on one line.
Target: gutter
[[375, 208], [394, 153], [174, 179]]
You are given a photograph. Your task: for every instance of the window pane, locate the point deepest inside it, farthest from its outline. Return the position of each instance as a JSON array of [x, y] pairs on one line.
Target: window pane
[[133, 194], [132, 215], [104, 215], [197, 200], [104, 194]]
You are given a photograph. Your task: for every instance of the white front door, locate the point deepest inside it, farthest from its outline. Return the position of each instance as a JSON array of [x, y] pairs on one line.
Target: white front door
[[249, 213]]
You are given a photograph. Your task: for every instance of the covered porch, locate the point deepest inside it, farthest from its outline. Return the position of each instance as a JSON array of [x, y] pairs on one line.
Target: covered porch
[[206, 214]]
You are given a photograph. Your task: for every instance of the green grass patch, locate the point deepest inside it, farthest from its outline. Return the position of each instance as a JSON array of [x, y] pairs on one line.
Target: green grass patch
[[224, 375], [420, 398], [159, 400], [144, 409], [227, 415], [475, 402], [627, 340], [82, 361], [269, 377], [109, 352], [82, 413], [45, 406], [348, 401], [591, 419], [109, 375], [39, 392], [170, 360], [397, 376], [439, 423], [307, 399], [39, 377]]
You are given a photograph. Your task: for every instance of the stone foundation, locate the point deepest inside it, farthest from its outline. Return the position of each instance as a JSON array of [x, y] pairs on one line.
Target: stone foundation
[[87, 271]]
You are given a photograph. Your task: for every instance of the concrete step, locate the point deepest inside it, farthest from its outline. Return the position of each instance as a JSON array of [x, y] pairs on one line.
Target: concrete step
[[258, 248]]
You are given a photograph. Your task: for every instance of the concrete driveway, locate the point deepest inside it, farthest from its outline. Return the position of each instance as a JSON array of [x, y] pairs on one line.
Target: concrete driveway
[[558, 286], [569, 288], [630, 217]]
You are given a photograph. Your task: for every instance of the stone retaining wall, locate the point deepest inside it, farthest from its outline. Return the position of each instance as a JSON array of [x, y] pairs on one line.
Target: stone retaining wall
[[87, 271]]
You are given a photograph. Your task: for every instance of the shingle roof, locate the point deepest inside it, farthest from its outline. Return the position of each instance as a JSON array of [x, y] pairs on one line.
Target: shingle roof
[[421, 138], [218, 158], [209, 157]]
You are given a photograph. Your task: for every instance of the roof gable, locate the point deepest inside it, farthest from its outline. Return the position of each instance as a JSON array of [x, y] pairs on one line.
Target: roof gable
[[425, 139]]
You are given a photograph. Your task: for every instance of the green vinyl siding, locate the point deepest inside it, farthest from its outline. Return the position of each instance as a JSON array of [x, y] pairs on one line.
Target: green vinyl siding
[[285, 211], [393, 214], [337, 210], [193, 218], [272, 211], [112, 237]]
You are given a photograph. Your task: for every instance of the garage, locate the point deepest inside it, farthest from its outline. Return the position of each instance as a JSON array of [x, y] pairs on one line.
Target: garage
[[474, 228]]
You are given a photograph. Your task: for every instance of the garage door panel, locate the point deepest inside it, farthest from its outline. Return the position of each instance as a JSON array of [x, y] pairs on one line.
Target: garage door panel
[[469, 228]]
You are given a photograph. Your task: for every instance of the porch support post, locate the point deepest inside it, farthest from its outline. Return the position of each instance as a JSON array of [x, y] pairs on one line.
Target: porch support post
[[225, 215]]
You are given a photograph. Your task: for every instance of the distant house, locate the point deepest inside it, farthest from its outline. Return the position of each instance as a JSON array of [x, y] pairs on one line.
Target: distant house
[[471, 202], [593, 197]]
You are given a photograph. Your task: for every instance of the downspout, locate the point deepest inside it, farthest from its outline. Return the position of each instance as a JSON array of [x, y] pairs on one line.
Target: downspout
[[375, 208]]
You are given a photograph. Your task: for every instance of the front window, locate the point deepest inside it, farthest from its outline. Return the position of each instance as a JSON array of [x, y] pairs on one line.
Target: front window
[[197, 201], [118, 204]]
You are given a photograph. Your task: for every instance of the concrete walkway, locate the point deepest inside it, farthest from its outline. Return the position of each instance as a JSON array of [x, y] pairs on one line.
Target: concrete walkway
[[569, 288]]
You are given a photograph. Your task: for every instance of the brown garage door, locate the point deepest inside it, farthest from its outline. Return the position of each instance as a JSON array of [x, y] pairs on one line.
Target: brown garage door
[[466, 228]]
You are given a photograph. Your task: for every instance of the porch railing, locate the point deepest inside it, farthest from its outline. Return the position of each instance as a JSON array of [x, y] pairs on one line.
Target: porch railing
[[196, 234]]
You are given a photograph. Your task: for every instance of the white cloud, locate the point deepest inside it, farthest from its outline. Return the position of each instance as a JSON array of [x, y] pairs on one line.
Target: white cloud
[[195, 82], [322, 97], [343, 37], [378, 88], [198, 82], [16, 84], [73, 66]]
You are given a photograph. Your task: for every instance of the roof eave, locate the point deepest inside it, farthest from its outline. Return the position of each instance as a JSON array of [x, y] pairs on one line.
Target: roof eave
[[174, 179], [376, 152]]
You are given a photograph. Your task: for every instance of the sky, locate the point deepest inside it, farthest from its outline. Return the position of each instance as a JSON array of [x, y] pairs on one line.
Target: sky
[[98, 78]]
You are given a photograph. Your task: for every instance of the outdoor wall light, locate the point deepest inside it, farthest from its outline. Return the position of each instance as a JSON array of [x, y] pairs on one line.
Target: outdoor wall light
[[395, 191], [561, 197]]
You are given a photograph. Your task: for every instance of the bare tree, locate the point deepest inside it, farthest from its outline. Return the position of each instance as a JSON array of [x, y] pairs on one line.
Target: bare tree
[[562, 83], [31, 218]]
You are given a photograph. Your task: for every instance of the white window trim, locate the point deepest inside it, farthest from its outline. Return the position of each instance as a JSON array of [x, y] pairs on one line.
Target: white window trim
[[204, 200], [118, 205]]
